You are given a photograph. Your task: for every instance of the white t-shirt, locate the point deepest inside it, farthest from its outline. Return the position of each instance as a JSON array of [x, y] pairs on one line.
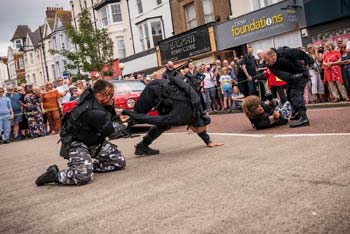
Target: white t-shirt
[[208, 83], [62, 89]]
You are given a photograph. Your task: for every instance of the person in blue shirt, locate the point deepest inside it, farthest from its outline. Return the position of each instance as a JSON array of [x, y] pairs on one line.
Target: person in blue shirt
[[6, 114], [17, 111]]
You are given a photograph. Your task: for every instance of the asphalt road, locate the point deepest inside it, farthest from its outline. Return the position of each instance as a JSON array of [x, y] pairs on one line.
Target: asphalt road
[[259, 182]]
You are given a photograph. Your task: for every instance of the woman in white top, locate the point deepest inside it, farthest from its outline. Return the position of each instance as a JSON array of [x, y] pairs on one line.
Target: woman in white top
[[209, 89]]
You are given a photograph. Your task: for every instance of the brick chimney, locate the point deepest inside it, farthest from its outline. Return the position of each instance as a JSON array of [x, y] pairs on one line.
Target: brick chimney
[[51, 11]]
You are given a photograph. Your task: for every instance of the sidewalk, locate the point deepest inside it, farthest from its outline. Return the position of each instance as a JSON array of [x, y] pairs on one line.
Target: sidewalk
[[308, 106]]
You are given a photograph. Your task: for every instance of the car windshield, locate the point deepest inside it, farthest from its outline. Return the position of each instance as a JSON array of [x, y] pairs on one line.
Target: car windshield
[[122, 87]]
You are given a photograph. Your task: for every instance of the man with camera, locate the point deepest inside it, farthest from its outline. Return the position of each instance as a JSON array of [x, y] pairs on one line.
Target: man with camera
[[63, 89], [83, 138], [289, 65]]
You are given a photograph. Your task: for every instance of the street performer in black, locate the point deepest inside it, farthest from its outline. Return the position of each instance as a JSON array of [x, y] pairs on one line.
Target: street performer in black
[[177, 104], [290, 65], [83, 136]]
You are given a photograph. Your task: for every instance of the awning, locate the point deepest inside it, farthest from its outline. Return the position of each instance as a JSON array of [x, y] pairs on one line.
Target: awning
[[158, 74]]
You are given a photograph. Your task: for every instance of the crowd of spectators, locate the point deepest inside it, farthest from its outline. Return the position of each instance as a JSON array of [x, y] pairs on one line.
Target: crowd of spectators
[[28, 112]]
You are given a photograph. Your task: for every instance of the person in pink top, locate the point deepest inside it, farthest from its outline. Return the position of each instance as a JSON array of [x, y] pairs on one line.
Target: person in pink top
[[332, 73]]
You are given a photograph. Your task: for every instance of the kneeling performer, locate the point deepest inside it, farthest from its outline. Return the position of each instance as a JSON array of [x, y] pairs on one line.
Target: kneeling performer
[[83, 138]]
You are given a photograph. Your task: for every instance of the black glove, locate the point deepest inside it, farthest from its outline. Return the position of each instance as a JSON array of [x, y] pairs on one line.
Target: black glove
[[297, 76]]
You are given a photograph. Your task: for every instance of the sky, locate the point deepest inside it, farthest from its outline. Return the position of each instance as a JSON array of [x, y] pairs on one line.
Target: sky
[[29, 12]]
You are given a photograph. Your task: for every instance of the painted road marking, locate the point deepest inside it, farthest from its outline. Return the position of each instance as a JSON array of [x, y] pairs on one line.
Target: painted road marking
[[261, 135]]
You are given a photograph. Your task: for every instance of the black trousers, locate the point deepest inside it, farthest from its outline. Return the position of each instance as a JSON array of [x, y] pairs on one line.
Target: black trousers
[[295, 94], [180, 113], [280, 91]]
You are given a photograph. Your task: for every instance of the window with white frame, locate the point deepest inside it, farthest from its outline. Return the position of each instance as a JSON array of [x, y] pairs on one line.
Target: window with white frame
[[104, 15], [31, 58], [157, 33], [139, 6], [58, 70], [116, 13], [34, 78], [121, 47], [18, 44], [159, 2], [208, 9], [62, 41], [54, 43], [142, 41], [28, 79], [21, 63], [257, 4], [53, 70], [190, 16]]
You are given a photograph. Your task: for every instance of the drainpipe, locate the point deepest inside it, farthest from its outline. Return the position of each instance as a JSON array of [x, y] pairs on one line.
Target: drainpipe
[[171, 13], [132, 35]]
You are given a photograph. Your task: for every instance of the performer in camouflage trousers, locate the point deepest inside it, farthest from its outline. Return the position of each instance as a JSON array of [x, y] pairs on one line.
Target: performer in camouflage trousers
[[84, 161], [83, 136]]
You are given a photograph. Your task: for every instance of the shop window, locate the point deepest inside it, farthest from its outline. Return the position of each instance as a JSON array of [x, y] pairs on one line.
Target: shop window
[[116, 13], [121, 47], [190, 16], [208, 9], [139, 6]]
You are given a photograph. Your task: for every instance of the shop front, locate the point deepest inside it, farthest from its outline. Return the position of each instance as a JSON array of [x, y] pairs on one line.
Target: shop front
[[196, 45], [273, 26], [335, 23]]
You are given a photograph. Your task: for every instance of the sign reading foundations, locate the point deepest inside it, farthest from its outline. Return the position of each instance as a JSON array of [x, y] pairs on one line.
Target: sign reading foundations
[[259, 24], [186, 45]]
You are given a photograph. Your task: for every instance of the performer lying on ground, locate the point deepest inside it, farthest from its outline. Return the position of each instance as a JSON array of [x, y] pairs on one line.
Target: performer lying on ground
[[266, 114], [177, 104]]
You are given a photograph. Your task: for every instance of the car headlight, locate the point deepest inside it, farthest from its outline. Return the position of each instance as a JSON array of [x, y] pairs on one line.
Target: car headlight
[[130, 103]]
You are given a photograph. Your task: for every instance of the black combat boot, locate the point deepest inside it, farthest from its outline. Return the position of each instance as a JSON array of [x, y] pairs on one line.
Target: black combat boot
[[143, 149], [50, 176], [295, 116], [303, 121]]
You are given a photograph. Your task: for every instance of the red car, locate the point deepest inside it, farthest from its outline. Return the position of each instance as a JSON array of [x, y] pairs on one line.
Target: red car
[[126, 93]]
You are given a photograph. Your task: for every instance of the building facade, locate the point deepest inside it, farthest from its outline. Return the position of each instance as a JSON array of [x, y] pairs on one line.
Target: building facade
[[188, 14], [56, 40], [4, 73], [276, 24], [16, 64], [33, 59], [321, 28], [150, 23], [114, 17]]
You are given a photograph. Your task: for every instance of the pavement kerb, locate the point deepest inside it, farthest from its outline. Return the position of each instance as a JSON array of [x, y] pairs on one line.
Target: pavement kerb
[[308, 106]]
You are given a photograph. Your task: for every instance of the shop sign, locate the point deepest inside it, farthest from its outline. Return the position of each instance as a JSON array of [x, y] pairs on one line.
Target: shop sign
[[189, 44], [264, 23]]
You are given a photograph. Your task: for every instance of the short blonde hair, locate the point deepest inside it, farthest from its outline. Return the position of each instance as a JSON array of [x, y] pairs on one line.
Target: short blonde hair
[[250, 106]]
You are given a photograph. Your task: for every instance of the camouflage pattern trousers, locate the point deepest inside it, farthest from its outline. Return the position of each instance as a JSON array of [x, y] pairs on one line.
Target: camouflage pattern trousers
[[85, 161]]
